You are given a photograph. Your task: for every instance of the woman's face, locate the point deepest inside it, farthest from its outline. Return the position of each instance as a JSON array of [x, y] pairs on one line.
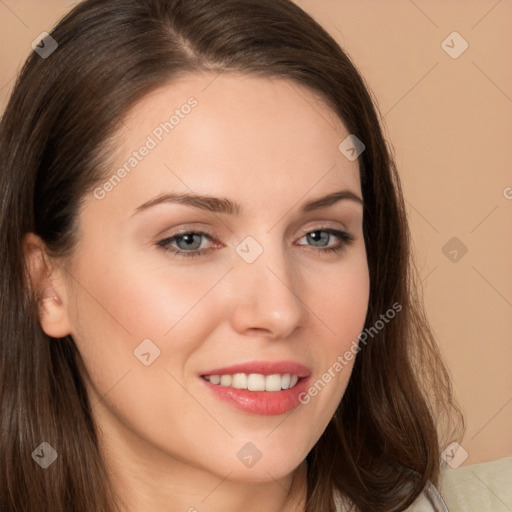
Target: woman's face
[[254, 289]]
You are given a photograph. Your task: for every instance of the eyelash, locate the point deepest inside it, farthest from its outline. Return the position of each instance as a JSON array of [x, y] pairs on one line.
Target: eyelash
[[346, 239]]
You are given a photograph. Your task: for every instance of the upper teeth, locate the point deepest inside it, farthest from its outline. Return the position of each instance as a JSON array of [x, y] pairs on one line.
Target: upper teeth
[[255, 381]]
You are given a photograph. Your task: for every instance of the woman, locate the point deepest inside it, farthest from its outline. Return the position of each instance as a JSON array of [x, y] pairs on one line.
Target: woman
[[207, 295]]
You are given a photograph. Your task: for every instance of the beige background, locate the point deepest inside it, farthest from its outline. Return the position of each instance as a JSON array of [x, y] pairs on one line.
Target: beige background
[[449, 121]]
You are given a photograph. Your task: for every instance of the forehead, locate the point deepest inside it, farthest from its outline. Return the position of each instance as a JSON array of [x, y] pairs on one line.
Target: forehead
[[235, 134]]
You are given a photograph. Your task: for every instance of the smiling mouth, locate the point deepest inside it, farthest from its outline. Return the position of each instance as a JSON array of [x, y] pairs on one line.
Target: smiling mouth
[[255, 381], [265, 388]]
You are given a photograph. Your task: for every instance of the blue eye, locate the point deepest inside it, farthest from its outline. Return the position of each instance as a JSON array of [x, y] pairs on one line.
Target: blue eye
[[188, 243], [322, 236]]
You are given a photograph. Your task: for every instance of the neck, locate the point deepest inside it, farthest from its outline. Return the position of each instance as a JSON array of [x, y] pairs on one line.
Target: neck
[[147, 481], [150, 489]]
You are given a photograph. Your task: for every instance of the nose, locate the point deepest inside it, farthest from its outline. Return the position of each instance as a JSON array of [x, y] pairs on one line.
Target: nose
[[267, 296]]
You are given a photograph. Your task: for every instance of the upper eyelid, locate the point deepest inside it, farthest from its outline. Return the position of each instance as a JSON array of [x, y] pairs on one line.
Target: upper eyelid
[[186, 230], [193, 228]]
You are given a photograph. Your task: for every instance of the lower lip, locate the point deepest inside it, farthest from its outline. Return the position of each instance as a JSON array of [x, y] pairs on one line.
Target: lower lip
[[264, 403]]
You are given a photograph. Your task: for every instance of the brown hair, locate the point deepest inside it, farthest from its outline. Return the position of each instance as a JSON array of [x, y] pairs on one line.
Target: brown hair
[[382, 445]]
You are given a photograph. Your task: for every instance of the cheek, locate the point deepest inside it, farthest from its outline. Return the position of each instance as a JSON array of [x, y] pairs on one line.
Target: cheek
[[135, 301], [116, 315], [340, 300], [341, 307], [147, 299]]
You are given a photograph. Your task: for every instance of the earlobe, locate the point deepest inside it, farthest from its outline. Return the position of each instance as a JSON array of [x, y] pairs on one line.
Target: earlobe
[[48, 287]]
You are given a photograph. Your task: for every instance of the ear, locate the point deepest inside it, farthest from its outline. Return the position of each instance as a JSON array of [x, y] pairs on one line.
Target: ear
[[48, 285]]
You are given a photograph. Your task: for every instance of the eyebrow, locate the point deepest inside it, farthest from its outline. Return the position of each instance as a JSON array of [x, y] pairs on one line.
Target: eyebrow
[[224, 205]]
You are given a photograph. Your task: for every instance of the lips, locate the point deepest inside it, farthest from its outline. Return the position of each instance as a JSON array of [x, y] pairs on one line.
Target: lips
[[260, 387], [264, 368]]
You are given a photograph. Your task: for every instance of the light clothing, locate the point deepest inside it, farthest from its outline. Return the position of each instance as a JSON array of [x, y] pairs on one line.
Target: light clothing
[[429, 501], [481, 487]]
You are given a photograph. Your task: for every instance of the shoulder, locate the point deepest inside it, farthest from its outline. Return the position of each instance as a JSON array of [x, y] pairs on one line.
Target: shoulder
[[428, 501]]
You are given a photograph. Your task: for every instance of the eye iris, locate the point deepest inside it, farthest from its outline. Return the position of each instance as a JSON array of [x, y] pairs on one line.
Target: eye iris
[[189, 241], [319, 236]]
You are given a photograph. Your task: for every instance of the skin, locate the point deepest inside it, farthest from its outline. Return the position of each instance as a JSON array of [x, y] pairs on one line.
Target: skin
[[271, 146]]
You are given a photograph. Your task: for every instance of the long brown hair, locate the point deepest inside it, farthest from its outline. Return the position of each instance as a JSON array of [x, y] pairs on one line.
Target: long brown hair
[[382, 445]]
